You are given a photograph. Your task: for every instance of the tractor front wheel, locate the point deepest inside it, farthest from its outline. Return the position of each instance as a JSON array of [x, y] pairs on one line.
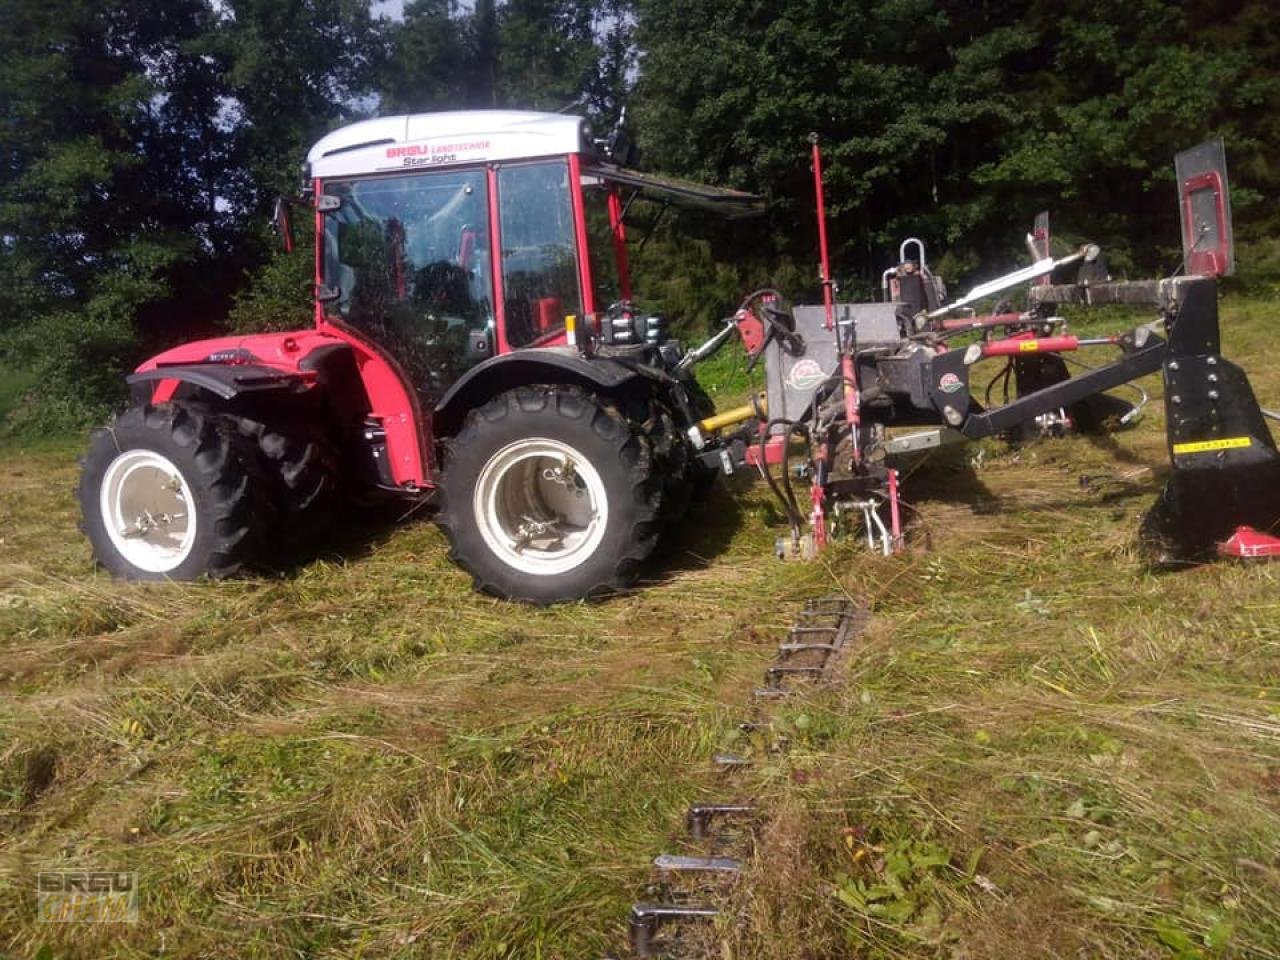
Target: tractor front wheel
[[165, 493], [549, 496]]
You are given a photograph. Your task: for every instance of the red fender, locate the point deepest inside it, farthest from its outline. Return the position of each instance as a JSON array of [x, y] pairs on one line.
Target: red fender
[[390, 399]]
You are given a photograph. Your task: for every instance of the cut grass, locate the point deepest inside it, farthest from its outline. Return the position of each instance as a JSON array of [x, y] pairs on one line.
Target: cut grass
[[1038, 749]]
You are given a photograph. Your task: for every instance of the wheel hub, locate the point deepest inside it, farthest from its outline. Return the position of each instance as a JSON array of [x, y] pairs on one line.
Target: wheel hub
[[146, 507], [540, 506]]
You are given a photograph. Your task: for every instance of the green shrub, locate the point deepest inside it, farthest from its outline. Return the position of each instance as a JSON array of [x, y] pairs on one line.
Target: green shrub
[[278, 295]]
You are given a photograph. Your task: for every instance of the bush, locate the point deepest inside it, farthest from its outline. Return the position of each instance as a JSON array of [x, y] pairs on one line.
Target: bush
[[279, 293], [1258, 266], [77, 362]]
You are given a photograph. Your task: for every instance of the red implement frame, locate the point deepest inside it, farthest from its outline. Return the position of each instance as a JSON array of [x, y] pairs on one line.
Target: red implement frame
[[1248, 543]]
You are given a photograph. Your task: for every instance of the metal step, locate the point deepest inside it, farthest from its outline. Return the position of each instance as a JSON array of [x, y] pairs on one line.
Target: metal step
[[828, 605], [805, 631], [773, 676], [675, 863], [646, 918], [730, 761], [769, 693], [805, 647]]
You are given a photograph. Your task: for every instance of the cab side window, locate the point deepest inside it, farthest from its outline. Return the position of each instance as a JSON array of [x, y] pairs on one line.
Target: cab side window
[[539, 250]]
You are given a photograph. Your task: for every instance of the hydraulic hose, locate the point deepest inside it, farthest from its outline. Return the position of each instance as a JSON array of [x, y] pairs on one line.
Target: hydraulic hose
[[788, 501]]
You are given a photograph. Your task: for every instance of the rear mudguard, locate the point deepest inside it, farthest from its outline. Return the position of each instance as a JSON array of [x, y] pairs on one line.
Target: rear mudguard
[[224, 380], [523, 368], [232, 366]]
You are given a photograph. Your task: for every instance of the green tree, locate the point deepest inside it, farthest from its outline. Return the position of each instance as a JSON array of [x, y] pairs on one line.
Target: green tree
[[106, 148], [293, 70], [957, 121]]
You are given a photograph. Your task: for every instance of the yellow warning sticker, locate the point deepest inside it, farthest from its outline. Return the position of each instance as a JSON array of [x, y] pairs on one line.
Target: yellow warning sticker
[[1205, 446], [1029, 346]]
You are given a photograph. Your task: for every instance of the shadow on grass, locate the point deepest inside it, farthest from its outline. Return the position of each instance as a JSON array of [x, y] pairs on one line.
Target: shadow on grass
[[703, 534], [946, 475], [353, 533], [695, 541]]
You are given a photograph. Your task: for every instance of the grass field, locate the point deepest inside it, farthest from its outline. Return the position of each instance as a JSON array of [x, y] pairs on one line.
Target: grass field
[[1038, 749]]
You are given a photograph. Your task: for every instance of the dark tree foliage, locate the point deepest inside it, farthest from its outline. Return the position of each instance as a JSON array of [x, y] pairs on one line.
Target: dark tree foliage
[[958, 121], [143, 141], [293, 69], [110, 154], [522, 54]]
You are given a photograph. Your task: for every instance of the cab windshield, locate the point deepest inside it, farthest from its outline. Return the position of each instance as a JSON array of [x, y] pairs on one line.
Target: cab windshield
[[406, 260]]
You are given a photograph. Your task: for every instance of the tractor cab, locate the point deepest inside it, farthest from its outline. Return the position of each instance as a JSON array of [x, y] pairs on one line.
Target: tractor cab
[[447, 239]]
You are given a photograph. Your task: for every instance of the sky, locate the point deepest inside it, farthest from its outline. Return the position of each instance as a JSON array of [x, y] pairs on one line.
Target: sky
[[391, 9]]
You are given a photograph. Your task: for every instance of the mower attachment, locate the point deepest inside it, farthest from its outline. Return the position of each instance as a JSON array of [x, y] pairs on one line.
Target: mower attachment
[[1226, 470]]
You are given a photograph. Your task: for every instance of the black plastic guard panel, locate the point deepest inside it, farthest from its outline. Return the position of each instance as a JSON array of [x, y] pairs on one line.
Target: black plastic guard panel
[[1226, 471], [224, 380]]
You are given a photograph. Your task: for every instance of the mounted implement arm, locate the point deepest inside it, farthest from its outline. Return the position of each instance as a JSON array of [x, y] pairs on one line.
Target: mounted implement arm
[[843, 373]]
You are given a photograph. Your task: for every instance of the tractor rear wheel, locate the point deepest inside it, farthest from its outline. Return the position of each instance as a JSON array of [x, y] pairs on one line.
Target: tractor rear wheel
[[168, 493], [301, 474], [549, 496]]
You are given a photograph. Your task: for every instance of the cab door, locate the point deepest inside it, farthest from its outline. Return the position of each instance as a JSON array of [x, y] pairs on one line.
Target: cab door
[[541, 268], [406, 264]]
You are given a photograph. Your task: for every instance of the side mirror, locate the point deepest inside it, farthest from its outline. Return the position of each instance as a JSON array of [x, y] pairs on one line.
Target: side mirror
[[283, 226]]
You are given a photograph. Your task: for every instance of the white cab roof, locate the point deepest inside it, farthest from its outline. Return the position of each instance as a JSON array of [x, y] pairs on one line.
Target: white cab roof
[[422, 140]]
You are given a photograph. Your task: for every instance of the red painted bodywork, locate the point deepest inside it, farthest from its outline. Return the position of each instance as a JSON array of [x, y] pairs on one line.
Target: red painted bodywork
[[392, 399], [751, 330], [1248, 543], [772, 452], [495, 258], [580, 230], [619, 231], [895, 515], [1205, 262], [852, 399], [988, 320], [389, 398], [1023, 343]]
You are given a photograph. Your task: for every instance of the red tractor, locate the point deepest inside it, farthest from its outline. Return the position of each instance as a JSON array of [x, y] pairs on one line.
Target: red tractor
[[474, 343], [462, 353]]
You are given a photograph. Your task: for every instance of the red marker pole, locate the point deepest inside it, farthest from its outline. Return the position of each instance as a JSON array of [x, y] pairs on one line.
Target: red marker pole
[[847, 372], [828, 300], [895, 519]]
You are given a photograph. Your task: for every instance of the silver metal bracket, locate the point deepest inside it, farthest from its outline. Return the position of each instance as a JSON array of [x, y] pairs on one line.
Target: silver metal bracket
[[674, 863]]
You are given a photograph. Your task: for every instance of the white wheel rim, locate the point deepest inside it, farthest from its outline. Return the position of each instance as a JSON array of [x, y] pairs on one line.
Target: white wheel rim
[[148, 510], [541, 506]]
